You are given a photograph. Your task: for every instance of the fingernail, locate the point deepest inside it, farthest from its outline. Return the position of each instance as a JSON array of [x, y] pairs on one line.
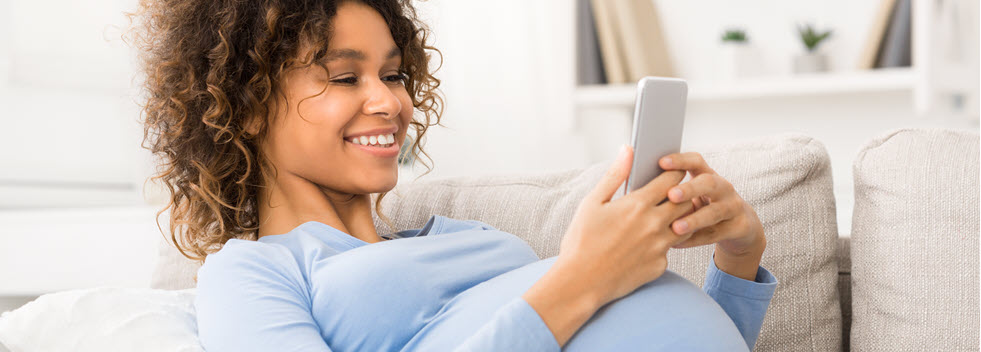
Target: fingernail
[[622, 153], [675, 193], [682, 226], [668, 163]]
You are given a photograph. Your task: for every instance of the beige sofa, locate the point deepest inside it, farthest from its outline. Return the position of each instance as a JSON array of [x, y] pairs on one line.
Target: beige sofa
[[910, 282]]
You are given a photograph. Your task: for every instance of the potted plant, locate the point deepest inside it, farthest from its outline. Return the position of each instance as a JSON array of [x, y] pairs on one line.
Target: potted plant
[[405, 157], [736, 61], [811, 60]]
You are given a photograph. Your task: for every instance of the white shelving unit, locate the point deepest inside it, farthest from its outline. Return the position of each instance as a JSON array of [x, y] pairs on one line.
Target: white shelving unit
[[943, 78], [882, 80]]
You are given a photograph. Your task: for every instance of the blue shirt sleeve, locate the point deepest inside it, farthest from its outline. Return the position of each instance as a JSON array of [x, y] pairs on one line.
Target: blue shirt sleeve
[[744, 301], [515, 327], [250, 299]]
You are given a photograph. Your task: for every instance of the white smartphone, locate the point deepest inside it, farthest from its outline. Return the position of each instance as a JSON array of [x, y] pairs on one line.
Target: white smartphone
[[659, 118]]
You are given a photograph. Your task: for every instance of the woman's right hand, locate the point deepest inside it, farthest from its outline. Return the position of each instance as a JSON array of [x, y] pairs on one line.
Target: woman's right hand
[[617, 246]]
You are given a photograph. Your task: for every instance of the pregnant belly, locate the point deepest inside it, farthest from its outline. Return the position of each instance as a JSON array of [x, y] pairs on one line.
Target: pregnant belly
[[667, 314]]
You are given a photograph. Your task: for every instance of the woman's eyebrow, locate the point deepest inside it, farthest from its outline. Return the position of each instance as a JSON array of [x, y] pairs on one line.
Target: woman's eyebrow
[[351, 54]]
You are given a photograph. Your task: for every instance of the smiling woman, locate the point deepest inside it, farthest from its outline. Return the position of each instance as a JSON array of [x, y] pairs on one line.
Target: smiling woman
[[277, 122], [251, 108]]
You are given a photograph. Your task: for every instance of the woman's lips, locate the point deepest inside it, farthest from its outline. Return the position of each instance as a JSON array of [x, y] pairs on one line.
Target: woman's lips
[[381, 152]]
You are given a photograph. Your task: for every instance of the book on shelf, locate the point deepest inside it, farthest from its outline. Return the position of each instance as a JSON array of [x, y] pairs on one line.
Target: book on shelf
[[591, 62], [896, 50], [890, 36], [630, 41], [607, 40]]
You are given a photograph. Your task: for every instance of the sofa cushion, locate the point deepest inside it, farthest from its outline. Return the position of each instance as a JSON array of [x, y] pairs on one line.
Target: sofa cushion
[[915, 242], [786, 178]]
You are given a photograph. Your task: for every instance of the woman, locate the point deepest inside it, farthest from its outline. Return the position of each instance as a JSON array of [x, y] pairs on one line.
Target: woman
[[276, 120]]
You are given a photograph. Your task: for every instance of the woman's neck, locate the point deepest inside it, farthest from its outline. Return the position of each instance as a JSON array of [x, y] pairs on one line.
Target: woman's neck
[[292, 201]]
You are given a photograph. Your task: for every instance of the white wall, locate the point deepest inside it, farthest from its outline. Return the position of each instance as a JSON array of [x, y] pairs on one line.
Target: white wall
[[507, 80], [70, 133]]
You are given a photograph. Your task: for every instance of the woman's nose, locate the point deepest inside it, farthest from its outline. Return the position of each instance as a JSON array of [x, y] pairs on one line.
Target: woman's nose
[[381, 100]]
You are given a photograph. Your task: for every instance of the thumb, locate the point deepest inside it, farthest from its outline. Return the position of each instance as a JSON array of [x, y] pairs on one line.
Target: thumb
[[614, 177]]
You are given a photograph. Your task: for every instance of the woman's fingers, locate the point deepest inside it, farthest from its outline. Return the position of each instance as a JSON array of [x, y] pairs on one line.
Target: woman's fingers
[[711, 234], [668, 212], [614, 177], [656, 190], [691, 161], [704, 217], [707, 184], [700, 201]]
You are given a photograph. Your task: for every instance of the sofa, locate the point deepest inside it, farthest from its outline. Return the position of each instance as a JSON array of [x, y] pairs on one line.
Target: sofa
[[906, 279]]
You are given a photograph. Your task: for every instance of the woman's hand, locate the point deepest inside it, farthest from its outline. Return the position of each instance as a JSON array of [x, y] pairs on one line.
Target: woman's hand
[[719, 215], [617, 246]]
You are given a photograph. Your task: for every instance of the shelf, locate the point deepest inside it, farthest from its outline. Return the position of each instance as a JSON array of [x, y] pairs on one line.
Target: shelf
[[880, 80]]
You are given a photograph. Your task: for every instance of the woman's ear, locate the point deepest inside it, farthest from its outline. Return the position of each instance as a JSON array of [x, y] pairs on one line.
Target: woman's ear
[[252, 125]]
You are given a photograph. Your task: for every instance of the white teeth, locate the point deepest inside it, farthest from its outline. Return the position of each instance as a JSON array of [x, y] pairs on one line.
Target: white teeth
[[382, 139]]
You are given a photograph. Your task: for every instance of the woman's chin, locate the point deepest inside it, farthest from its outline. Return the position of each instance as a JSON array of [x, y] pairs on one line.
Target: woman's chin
[[383, 183]]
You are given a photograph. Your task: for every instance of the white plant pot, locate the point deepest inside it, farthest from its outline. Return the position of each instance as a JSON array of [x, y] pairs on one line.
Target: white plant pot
[[810, 62], [736, 61]]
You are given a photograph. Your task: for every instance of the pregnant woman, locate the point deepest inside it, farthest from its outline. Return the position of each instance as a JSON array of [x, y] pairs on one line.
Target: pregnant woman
[[275, 122]]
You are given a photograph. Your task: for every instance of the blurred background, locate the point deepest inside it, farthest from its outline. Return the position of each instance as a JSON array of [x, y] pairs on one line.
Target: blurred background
[[530, 86]]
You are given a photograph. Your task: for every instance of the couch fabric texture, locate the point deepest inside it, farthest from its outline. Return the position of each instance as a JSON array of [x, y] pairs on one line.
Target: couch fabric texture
[[786, 178], [915, 249]]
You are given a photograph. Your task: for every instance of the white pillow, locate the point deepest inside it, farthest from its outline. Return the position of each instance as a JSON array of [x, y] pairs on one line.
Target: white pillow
[[104, 319]]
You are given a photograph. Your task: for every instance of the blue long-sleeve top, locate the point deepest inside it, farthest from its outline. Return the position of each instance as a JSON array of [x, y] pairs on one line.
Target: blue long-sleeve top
[[450, 285]]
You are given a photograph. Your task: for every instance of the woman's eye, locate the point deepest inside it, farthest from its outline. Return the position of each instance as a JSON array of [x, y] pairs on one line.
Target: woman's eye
[[397, 78], [346, 80]]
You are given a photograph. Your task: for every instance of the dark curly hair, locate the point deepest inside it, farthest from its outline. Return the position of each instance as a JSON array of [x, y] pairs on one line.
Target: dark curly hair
[[210, 67]]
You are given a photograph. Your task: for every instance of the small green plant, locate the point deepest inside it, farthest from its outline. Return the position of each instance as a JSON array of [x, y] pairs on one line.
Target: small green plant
[[734, 35], [812, 37], [405, 157]]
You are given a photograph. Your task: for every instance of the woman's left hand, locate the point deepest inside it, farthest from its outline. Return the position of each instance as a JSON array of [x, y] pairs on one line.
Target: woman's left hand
[[719, 215]]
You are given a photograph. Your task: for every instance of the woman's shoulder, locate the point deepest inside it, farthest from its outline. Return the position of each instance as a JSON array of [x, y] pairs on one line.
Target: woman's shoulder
[[247, 257]]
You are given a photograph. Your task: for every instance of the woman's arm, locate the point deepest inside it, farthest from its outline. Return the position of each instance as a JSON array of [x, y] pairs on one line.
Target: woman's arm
[[248, 300], [562, 302], [744, 301]]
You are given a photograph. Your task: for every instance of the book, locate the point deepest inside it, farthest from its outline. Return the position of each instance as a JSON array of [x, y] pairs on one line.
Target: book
[[645, 50], [590, 61], [896, 50], [868, 57], [607, 32]]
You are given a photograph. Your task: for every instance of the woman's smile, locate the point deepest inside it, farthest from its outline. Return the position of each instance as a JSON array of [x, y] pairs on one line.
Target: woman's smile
[[377, 150]]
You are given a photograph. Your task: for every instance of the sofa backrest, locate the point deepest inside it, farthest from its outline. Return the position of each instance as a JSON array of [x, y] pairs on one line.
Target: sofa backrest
[[914, 242], [786, 178]]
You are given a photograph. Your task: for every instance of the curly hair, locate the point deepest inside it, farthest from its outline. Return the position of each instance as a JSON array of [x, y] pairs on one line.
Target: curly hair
[[210, 67]]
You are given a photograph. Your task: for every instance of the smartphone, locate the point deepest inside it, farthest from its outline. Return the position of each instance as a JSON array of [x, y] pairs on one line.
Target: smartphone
[[659, 118]]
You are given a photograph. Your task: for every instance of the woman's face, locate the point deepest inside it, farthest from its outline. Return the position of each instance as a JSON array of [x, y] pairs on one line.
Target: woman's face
[[365, 92]]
